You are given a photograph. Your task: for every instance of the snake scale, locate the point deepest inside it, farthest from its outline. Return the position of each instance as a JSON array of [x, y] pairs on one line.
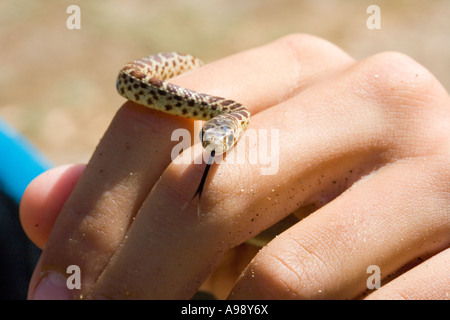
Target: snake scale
[[143, 81]]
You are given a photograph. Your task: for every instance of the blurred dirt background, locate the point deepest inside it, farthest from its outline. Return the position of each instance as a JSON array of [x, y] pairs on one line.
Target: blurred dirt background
[[57, 86]]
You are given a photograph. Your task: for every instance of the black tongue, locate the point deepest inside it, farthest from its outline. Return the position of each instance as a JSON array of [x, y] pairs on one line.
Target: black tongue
[[205, 174]]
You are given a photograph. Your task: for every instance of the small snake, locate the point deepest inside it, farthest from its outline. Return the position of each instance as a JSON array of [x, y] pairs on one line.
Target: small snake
[[143, 81]]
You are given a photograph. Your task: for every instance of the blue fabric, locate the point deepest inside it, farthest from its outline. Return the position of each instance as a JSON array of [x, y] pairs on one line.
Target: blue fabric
[[19, 163]]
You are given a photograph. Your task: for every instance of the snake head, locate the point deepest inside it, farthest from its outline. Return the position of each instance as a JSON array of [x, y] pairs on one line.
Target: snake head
[[218, 134]]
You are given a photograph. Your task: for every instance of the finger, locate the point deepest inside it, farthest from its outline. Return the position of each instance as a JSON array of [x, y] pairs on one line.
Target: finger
[[325, 146], [375, 223], [131, 157], [428, 281], [44, 198]]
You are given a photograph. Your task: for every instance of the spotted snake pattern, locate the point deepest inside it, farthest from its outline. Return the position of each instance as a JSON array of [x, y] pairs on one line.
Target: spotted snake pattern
[[144, 82]]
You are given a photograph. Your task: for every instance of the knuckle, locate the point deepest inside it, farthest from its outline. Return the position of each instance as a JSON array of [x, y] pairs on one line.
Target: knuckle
[[399, 78], [437, 179], [291, 266], [300, 40], [408, 93], [301, 45]]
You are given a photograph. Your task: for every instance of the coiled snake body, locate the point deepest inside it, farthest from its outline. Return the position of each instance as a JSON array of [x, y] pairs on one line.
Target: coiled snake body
[[143, 81]]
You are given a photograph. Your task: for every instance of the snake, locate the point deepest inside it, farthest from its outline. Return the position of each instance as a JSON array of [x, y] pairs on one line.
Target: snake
[[144, 81]]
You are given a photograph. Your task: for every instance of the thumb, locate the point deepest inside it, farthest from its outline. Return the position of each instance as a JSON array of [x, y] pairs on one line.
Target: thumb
[[43, 199]]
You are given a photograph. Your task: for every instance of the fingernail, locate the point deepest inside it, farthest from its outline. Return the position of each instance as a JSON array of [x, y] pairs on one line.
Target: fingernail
[[52, 287]]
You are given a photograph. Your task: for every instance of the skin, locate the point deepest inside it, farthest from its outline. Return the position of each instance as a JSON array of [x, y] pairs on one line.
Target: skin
[[364, 146]]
